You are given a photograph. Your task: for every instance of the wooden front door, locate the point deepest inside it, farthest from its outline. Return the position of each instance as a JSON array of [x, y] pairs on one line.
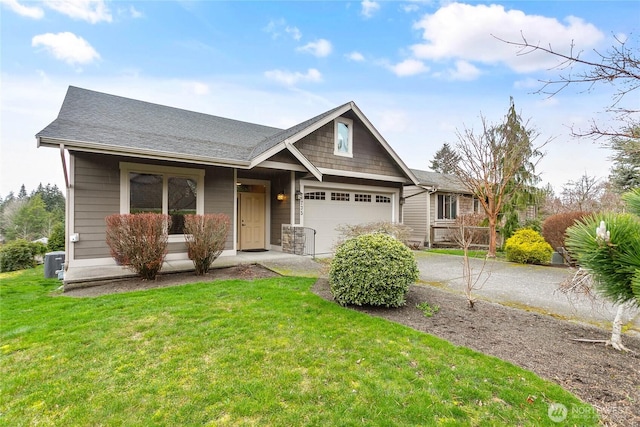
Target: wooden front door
[[252, 221]]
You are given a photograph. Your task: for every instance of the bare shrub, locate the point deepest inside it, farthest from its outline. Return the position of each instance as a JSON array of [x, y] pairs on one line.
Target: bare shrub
[[397, 230], [205, 236], [139, 241], [554, 228], [467, 233]]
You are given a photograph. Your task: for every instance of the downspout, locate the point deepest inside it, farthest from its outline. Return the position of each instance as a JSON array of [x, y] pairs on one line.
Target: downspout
[[64, 166], [429, 193]]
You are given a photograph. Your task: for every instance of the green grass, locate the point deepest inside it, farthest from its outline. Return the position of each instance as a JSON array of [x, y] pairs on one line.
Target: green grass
[[267, 352]]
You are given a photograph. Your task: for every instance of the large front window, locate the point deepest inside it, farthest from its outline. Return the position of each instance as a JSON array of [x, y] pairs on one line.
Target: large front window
[[173, 191], [447, 206]]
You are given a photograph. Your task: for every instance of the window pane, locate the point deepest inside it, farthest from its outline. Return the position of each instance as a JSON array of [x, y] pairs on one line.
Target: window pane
[[146, 193], [182, 201], [343, 138]]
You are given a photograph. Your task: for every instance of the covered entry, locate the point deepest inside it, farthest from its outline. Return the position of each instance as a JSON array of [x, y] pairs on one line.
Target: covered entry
[[324, 209]]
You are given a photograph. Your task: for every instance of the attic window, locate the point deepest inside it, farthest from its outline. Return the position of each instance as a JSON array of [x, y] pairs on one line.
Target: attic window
[[343, 144]]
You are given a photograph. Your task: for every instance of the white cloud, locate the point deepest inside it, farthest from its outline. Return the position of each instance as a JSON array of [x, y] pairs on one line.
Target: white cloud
[[92, 11], [462, 31], [393, 121], [464, 71], [409, 67], [294, 32], [197, 88], [409, 8], [33, 12], [66, 47], [319, 48], [135, 13], [355, 56], [369, 8], [276, 27], [291, 79]]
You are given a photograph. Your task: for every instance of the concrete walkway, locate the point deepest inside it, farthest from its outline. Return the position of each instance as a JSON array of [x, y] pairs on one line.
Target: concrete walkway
[[530, 287]]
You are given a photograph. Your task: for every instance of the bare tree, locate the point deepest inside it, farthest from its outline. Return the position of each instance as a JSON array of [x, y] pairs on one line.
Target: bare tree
[[468, 233], [583, 194], [497, 163], [619, 66]]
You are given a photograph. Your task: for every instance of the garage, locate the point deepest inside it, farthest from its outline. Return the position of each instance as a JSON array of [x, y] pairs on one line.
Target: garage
[[327, 208]]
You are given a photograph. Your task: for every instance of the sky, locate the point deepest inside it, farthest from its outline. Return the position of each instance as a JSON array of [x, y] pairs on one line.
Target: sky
[[421, 71]]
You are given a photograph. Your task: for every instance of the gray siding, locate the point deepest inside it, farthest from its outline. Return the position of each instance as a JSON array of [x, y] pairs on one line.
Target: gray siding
[[218, 195], [97, 195], [415, 213], [368, 155]]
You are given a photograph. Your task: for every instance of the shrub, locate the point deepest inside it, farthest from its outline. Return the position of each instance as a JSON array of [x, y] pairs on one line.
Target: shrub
[[56, 238], [527, 246], [399, 231], [206, 236], [372, 269], [554, 228], [19, 255], [139, 241]]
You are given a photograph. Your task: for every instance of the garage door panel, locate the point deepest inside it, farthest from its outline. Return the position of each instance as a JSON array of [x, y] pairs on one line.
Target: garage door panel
[[326, 215]]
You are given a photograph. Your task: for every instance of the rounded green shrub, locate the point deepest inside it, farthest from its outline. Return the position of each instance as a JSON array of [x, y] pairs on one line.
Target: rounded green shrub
[[56, 238], [18, 255], [372, 269], [527, 246]]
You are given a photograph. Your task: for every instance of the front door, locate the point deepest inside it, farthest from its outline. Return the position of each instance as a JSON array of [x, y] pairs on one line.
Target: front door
[[251, 221]]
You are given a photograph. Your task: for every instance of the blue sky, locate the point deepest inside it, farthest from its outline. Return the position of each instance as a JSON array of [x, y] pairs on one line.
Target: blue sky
[[419, 70]]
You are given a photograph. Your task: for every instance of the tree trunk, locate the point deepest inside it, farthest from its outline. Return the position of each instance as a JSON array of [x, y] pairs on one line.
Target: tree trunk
[[492, 237], [616, 328]]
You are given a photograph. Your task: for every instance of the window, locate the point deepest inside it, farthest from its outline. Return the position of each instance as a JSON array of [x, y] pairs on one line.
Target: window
[[343, 137], [341, 197], [362, 198], [173, 191], [383, 199], [476, 205], [314, 195], [447, 206]]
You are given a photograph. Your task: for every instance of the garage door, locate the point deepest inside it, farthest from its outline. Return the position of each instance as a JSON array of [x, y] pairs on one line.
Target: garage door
[[326, 209]]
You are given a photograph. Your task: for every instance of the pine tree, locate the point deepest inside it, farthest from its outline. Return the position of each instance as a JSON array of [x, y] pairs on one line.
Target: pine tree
[[444, 160]]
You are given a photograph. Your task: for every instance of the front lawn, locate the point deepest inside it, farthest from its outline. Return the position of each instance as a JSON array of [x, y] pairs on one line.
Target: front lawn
[[267, 352]]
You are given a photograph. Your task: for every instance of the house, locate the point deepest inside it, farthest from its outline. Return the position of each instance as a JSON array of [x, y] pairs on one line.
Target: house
[[127, 156], [432, 206]]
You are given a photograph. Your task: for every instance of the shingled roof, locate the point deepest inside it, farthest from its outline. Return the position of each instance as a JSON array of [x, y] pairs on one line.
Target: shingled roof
[[98, 122], [130, 125], [440, 181]]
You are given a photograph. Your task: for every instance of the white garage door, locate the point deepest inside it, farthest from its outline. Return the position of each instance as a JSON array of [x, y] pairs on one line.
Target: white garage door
[[325, 209]]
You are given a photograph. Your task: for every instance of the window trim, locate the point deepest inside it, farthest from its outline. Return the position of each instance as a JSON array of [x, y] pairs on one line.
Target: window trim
[[454, 199], [166, 172], [349, 124]]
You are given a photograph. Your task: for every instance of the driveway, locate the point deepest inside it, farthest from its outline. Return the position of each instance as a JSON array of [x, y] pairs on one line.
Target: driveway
[[528, 287]]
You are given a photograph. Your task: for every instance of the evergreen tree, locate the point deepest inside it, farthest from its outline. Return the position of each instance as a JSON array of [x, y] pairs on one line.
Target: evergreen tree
[[444, 160], [625, 173]]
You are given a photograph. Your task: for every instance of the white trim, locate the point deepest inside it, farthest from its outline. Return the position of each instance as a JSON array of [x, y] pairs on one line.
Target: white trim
[[267, 208], [393, 192], [71, 213], [282, 166], [166, 172], [365, 175], [90, 147], [235, 210], [292, 191], [349, 124], [384, 143], [310, 167]]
